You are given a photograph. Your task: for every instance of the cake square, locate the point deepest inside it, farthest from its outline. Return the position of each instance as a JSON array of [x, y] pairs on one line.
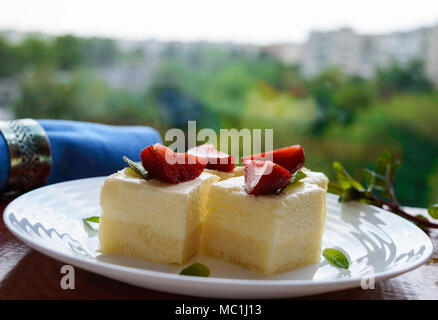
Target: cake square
[[270, 233], [150, 219]]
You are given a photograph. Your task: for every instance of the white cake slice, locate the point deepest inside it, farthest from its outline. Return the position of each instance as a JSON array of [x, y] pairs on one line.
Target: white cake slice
[[266, 233], [152, 220]]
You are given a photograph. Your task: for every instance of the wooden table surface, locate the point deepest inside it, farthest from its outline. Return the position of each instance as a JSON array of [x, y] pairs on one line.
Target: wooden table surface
[[28, 274]]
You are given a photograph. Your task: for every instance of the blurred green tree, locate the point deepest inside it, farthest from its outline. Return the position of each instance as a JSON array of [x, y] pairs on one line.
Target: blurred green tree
[[226, 91], [397, 77], [353, 95], [35, 52], [42, 94], [68, 52], [10, 62]]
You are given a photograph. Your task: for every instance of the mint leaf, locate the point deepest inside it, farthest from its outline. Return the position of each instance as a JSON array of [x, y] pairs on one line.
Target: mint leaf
[[87, 221], [196, 269], [385, 168], [346, 187], [375, 181], [138, 168], [382, 162], [336, 188], [344, 178], [370, 178], [433, 210], [297, 176], [336, 257], [92, 219]]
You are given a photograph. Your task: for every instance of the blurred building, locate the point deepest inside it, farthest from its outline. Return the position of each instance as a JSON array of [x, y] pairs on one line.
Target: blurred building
[[336, 48], [353, 52], [289, 53], [361, 54], [15, 37], [431, 55]]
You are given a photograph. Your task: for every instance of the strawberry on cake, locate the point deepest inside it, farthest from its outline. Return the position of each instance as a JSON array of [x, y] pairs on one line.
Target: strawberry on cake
[[218, 163]]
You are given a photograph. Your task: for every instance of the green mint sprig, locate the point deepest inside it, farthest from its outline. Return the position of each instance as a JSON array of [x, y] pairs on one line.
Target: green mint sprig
[[87, 221], [196, 269], [138, 168], [378, 189], [297, 176]]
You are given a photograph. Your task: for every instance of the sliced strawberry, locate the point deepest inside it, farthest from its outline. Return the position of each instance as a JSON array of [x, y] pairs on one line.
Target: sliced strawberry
[[264, 177], [291, 158], [168, 166], [217, 160]]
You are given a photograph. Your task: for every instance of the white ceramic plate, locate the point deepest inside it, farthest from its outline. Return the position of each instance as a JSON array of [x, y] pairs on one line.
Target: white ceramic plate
[[379, 244]]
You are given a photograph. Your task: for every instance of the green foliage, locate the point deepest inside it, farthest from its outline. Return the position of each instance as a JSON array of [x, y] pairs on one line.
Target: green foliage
[[339, 97], [432, 182], [378, 181], [9, 61], [351, 97], [226, 92], [68, 52], [81, 96], [433, 211], [403, 78], [35, 52], [43, 94], [64, 52], [405, 123], [266, 102], [345, 186], [379, 189]]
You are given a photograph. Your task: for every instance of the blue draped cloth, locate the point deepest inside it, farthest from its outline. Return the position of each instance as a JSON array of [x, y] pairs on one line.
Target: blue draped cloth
[[82, 150]]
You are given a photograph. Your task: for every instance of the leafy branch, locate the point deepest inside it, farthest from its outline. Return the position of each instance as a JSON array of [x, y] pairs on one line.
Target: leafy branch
[[378, 189]]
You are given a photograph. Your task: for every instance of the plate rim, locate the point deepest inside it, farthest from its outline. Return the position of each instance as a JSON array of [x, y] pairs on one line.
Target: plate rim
[[91, 264]]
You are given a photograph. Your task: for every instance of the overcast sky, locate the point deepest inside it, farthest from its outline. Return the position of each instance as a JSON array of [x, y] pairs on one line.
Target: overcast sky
[[237, 21]]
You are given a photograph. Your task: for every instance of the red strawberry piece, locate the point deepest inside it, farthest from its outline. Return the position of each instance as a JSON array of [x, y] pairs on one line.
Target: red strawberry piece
[[217, 160], [165, 165], [291, 158], [264, 177]]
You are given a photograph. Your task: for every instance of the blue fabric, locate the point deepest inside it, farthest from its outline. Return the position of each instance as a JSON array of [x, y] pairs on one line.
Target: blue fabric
[[82, 150], [4, 162]]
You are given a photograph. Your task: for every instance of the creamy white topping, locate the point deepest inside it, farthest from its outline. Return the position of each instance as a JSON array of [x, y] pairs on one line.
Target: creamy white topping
[[183, 187], [313, 180]]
